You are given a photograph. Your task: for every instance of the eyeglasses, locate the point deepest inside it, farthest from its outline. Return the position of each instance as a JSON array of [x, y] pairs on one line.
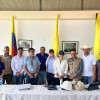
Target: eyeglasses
[[73, 53]]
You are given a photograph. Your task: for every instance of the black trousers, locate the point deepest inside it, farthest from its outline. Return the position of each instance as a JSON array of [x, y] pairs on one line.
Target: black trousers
[[50, 78], [8, 79], [57, 81]]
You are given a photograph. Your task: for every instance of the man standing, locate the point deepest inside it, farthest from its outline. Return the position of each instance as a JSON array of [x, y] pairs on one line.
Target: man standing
[[17, 67], [6, 59], [42, 73], [89, 69], [49, 66], [75, 66], [2, 69], [31, 67], [60, 69]]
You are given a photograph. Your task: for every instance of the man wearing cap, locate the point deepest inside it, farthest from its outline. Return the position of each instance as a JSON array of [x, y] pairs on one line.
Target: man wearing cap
[[17, 67], [31, 67], [60, 69], [75, 66], [6, 59], [89, 69], [49, 67]]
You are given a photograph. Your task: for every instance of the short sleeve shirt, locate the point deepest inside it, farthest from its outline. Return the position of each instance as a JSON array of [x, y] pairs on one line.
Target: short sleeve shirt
[[88, 62], [43, 61], [31, 64]]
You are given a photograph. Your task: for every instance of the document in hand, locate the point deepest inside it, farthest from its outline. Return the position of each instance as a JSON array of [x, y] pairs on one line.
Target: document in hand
[[24, 87]]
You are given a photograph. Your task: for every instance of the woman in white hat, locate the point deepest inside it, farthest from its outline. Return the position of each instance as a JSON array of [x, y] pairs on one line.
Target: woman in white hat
[[89, 69]]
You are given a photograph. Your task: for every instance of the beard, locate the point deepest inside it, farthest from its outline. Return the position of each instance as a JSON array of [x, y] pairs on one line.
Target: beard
[[86, 53], [6, 54]]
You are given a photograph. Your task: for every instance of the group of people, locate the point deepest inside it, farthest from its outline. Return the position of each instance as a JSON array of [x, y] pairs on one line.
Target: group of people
[[44, 68]]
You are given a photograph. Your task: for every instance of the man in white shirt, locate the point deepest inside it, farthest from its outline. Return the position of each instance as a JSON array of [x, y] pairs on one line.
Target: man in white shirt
[[89, 69], [60, 69], [17, 67]]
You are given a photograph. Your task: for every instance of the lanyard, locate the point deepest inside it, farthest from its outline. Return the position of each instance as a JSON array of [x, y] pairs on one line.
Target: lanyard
[[31, 59]]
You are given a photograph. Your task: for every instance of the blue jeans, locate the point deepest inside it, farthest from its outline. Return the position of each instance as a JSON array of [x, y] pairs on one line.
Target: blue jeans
[[33, 81], [87, 79], [18, 79], [42, 77]]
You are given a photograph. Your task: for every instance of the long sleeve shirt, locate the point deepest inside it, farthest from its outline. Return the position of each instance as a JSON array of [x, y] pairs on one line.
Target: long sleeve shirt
[[61, 68], [17, 65]]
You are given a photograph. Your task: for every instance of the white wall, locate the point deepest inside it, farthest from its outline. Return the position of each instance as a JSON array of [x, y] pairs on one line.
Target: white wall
[[41, 32]]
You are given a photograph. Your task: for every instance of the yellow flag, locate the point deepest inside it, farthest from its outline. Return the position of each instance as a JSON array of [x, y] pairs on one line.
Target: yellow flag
[[97, 38], [56, 46]]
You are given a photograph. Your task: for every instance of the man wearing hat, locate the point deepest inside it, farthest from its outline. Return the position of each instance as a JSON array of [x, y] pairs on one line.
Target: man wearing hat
[[60, 69], [89, 69], [49, 67], [75, 66]]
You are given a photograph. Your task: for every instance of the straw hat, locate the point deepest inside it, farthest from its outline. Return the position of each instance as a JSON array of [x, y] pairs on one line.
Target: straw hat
[[87, 47]]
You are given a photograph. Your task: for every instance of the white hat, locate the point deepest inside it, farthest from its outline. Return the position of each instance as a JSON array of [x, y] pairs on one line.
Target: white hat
[[87, 47], [66, 85]]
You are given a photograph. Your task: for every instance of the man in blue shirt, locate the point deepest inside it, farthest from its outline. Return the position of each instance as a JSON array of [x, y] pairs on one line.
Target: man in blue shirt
[[2, 69], [31, 67], [42, 73], [49, 67]]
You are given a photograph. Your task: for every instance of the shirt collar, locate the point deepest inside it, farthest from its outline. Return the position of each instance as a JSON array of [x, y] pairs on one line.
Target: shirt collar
[[31, 57], [20, 57], [6, 57], [52, 57], [59, 61], [73, 59], [43, 55]]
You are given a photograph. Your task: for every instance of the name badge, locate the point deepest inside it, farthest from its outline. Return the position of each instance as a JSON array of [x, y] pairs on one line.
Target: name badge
[[32, 69]]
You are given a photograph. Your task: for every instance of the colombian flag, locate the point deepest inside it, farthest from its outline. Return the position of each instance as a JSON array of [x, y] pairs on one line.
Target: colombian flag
[[56, 46], [13, 46]]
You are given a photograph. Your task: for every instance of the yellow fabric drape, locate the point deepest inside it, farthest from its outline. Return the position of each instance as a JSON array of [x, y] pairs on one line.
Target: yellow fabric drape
[[56, 46], [97, 38]]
